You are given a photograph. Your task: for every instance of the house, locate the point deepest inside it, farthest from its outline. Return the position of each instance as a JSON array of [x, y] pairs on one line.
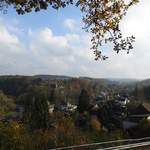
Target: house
[[51, 108], [142, 111], [123, 100], [102, 97], [71, 107], [53, 85], [65, 107], [139, 113], [118, 109], [100, 100], [93, 109]]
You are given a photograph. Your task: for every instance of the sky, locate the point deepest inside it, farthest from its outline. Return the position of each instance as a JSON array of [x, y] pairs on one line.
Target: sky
[[53, 42]]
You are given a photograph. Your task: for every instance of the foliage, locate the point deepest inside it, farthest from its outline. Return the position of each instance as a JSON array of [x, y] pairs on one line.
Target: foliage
[[146, 92], [103, 136], [6, 104], [16, 85], [84, 101], [95, 124], [144, 128], [13, 136], [101, 18], [142, 93], [66, 133], [36, 108]]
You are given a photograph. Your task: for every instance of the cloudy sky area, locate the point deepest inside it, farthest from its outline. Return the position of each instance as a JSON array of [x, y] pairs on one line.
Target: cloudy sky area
[[53, 42]]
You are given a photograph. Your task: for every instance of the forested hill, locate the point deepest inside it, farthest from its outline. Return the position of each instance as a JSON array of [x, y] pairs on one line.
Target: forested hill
[[52, 77], [63, 77], [17, 85]]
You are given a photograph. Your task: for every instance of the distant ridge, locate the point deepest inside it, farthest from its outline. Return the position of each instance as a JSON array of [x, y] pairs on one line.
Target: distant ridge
[[52, 77], [46, 77], [144, 83]]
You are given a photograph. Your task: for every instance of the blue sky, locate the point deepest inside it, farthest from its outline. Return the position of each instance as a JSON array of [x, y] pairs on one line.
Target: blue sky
[[53, 42], [50, 18]]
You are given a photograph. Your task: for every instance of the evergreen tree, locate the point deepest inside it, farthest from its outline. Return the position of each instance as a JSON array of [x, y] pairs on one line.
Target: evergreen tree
[[36, 108], [84, 101]]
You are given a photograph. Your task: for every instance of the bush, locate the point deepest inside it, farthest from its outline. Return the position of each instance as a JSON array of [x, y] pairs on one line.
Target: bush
[[95, 124], [16, 136]]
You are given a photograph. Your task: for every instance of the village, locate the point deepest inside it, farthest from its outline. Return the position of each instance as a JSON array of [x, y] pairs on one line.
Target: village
[[109, 114], [83, 108]]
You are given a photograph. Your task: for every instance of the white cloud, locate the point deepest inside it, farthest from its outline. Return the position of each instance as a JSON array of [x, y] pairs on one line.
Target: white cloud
[[70, 24], [59, 54], [137, 20], [9, 42]]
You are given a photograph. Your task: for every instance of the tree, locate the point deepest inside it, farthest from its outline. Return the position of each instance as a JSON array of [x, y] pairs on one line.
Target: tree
[[143, 128], [101, 18], [36, 108], [84, 101], [14, 136], [67, 133], [95, 123], [6, 104]]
